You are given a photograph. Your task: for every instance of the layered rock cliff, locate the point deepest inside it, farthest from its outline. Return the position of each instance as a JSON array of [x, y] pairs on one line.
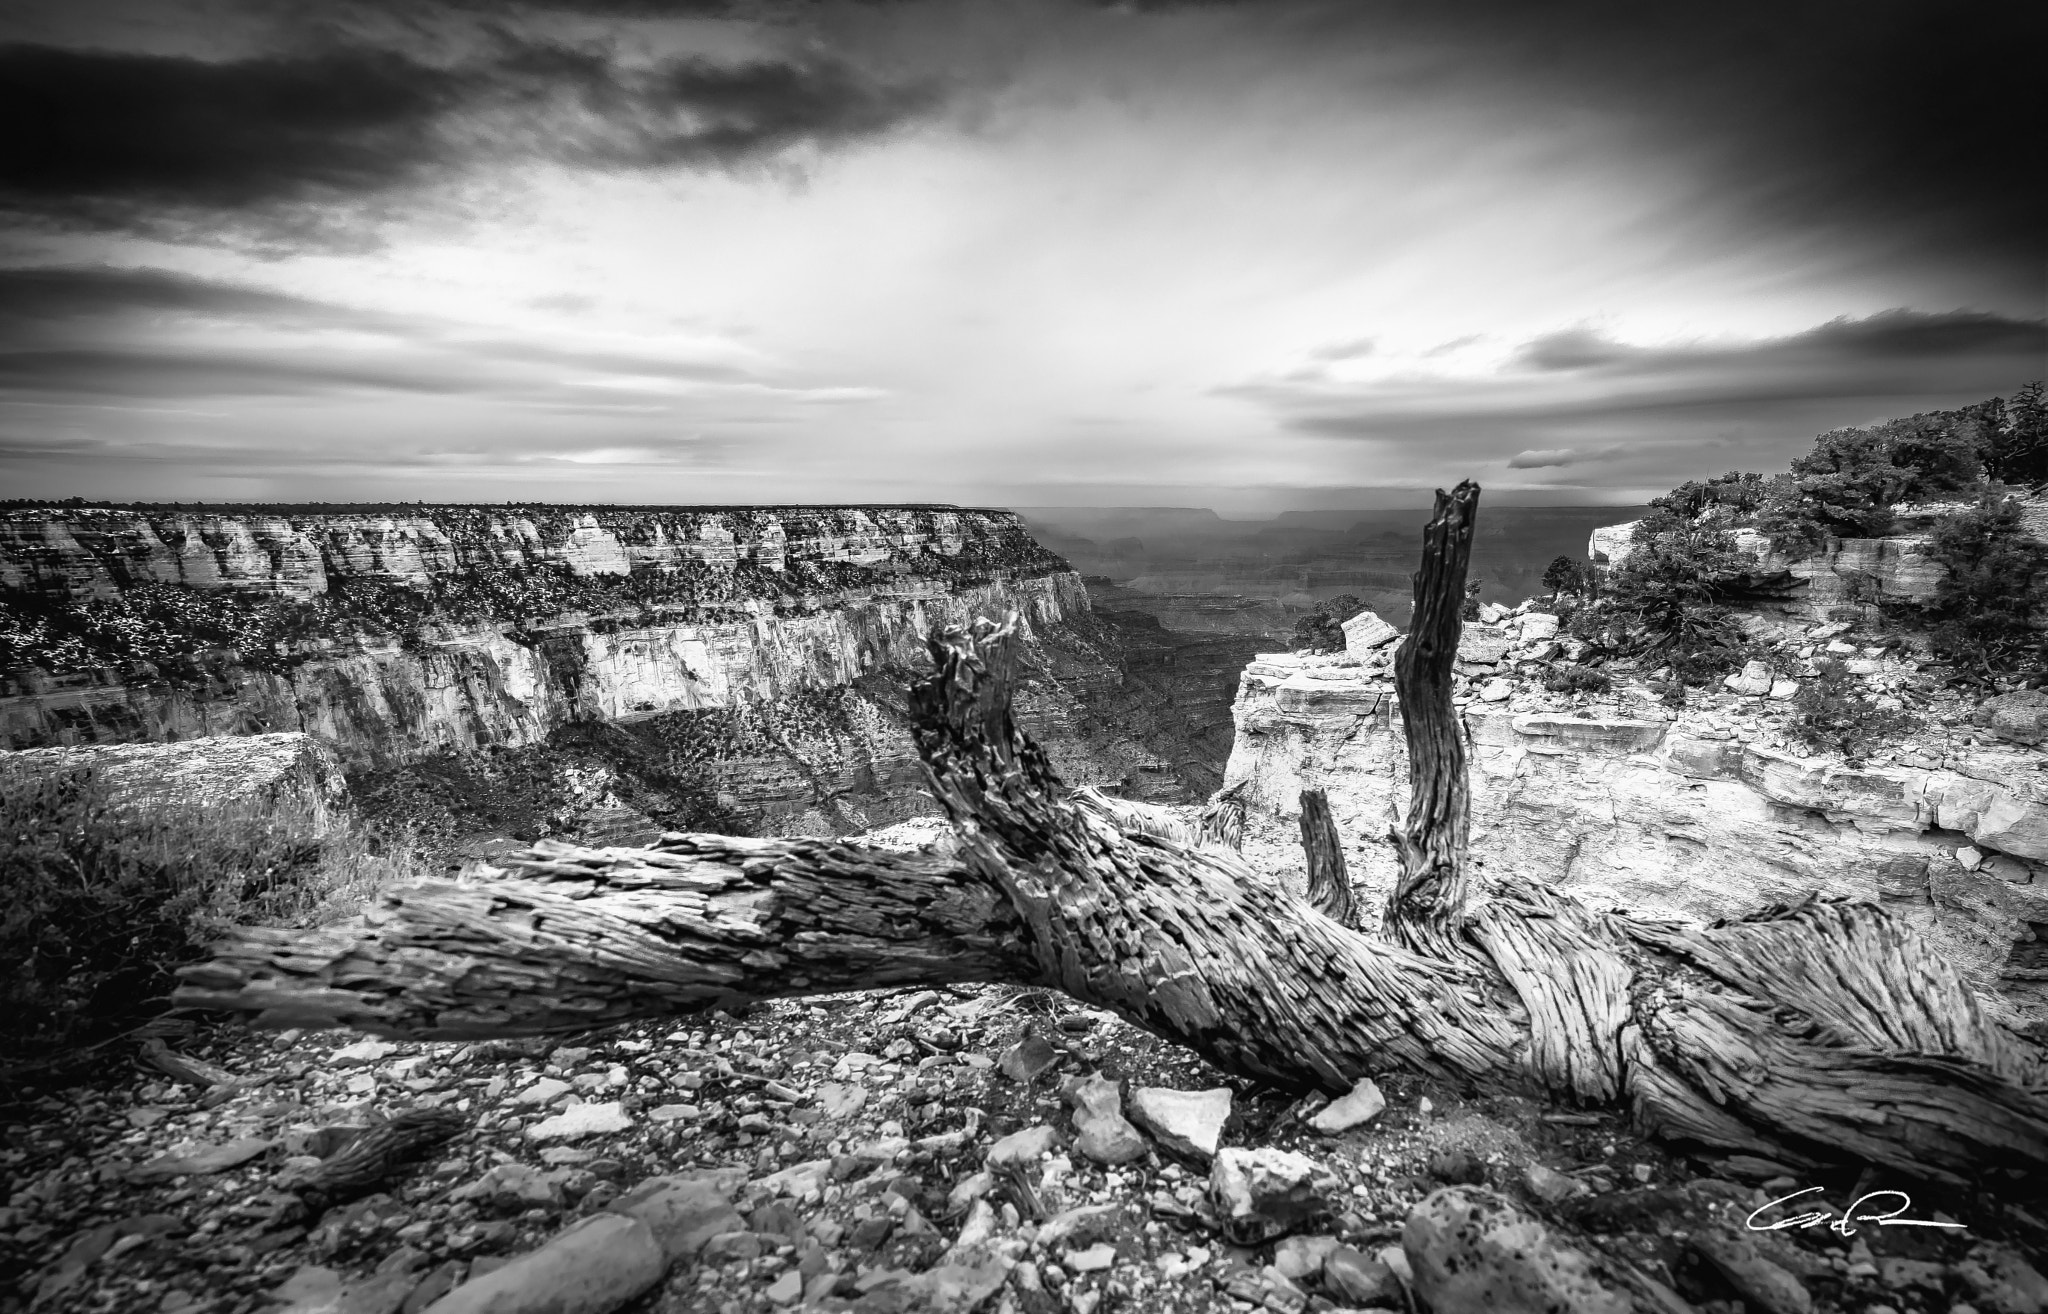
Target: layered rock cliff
[[1705, 812], [764, 649]]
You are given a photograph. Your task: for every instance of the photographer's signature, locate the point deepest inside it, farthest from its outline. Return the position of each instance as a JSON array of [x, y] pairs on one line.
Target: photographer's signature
[[1846, 1224]]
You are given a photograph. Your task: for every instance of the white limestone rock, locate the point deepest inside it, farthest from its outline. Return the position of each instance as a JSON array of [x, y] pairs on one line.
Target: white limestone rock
[[1188, 1122]]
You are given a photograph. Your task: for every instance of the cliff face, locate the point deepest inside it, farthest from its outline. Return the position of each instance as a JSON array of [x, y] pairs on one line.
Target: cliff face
[[1703, 813], [767, 646]]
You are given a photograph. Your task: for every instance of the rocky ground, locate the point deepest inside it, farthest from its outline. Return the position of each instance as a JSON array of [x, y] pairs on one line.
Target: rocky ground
[[984, 1148]]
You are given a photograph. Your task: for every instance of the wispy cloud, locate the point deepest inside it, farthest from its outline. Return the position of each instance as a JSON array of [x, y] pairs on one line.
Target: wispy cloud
[[1534, 459]]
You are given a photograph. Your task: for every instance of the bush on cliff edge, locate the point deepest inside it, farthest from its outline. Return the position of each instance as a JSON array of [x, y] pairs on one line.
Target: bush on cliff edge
[[104, 900]]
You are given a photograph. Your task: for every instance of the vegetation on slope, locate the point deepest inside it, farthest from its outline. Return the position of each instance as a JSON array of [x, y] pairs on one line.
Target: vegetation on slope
[[1673, 602], [107, 898]]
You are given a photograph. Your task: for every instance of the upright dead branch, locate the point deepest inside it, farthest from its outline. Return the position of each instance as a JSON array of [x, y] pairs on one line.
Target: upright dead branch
[[1329, 884], [1430, 899]]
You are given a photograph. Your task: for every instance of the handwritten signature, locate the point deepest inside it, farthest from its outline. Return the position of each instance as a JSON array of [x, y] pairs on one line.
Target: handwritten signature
[[1846, 1224]]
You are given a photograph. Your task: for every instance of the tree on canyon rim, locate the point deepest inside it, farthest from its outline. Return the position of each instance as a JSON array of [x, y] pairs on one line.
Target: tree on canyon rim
[[1824, 1034]]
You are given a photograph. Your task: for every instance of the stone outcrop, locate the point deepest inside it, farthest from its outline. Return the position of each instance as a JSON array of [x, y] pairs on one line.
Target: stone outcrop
[[291, 771], [1668, 813], [782, 634], [1847, 576]]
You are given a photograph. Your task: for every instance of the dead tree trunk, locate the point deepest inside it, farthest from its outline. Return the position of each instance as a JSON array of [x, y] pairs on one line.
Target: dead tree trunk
[[1329, 883], [1429, 900], [1821, 1034]]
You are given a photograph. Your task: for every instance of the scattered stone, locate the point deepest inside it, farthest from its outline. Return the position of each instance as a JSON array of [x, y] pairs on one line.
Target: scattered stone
[[1551, 1186], [1538, 626], [583, 1120], [1092, 1260], [1970, 858], [544, 1091], [1102, 1132], [1365, 632], [1022, 1148], [362, 1053], [1785, 688], [1474, 1252], [1266, 1193], [591, 1268], [1361, 1105], [1188, 1122], [201, 1161], [799, 1179], [675, 1112], [841, 1099], [513, 1186], [1754, 679], [1496, 690], [683, 1213], [1301, 1258], [1078, 1226], [1361, 1279], [1028, 1059], [787, 1289], [1759, 1281], [2001, 1281]]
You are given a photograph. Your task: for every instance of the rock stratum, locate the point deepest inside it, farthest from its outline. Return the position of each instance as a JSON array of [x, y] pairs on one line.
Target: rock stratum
[[768, 646], [1705, 812]]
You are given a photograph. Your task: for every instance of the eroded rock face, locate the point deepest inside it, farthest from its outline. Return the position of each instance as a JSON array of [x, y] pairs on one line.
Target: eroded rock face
[[1665, 818], [769, 614], [275, 771]]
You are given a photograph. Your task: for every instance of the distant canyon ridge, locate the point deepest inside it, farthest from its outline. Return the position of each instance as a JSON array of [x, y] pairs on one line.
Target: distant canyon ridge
[[597, 671]]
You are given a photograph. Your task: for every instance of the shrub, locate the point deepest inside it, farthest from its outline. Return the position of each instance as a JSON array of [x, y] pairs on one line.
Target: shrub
[[1468, 610], [106, 899], [1996, 580], [2016, 437], [1831, 713], [1578, 679], [1738, 493], [1322, 630], [1663, 600], [1566, 575]]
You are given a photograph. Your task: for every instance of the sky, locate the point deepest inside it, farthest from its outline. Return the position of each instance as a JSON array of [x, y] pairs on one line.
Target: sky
[[1255, 256]]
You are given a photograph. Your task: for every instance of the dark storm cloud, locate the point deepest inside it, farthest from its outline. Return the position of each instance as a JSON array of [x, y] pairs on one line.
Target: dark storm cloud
[[1854, 347], [35, 300], [101, 331], [1576, 398], [109, 139]]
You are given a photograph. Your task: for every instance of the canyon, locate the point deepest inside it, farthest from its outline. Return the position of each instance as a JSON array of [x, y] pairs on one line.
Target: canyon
[[657, 666]]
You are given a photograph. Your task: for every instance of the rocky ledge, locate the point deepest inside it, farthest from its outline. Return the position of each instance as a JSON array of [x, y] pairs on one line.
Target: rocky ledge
[[975, 1149], [1706, 811]]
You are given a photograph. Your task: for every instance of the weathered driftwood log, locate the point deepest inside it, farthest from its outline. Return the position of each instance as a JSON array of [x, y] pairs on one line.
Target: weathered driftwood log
[[1322, 847], [1821, 1034]]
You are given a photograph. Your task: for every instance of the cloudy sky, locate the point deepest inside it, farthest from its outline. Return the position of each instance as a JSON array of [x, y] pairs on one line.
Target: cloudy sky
[[1030, 252]]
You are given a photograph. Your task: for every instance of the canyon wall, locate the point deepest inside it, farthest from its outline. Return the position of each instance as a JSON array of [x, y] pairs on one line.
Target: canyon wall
[[1702, 814], [771, 644]]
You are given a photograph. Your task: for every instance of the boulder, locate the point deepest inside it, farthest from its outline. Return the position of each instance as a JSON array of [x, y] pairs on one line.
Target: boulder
[[2021, 717], [1474, 1252], [1754, 679], [1366, 632], [1263, 1194], [1482, 645], [1538, 626], [1022, 1148], [1360, 1105], [1188, 1122], [591, 1268], [683, 1212], [1360, 1279]]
